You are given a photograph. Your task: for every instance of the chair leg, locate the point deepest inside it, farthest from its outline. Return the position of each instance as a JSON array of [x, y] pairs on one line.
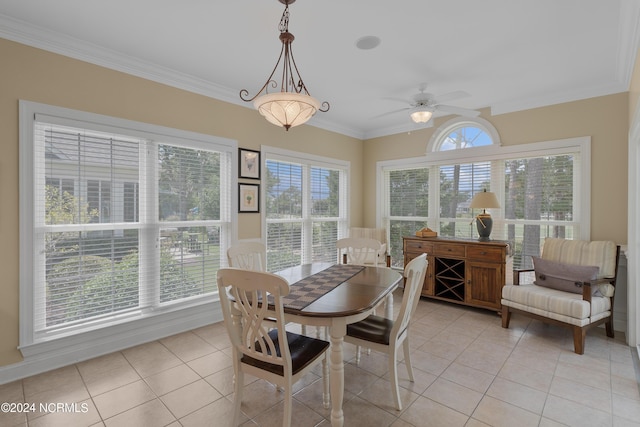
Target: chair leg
[[357, 355], [578, 339], [407, 358], [609, 328], [393, 370], [237, 398], [506, 316], [288, 402]]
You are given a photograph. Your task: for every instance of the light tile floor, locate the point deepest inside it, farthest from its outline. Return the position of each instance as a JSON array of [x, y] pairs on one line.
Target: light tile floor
[[469, 371]]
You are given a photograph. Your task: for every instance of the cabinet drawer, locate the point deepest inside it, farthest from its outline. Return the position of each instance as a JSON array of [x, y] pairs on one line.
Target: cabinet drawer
[[449, 249], [485, 254], [418, 246]]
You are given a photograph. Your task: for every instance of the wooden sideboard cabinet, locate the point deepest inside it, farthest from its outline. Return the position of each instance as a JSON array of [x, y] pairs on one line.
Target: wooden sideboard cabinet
[[466, 272]]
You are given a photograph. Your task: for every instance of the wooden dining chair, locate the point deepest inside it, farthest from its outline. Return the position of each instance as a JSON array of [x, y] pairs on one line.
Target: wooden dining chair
[[251, 256], [248, 256], [387, 336], [360, 251], [275, 355], [380, 234]]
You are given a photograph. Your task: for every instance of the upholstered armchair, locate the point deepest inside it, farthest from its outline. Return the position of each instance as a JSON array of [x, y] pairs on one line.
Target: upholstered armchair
[[574, 287]]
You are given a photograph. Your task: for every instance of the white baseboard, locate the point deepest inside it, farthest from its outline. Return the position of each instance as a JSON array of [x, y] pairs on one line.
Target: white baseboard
[[105, 342]]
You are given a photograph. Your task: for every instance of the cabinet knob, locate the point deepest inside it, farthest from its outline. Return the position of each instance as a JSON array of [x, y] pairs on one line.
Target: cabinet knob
[[483, 253]]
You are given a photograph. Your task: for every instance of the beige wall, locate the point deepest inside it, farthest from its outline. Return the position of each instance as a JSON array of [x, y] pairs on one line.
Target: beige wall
[[39, 76], [605, 119]]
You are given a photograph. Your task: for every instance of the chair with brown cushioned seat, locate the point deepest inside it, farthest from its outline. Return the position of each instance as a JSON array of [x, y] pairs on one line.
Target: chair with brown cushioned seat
[[251, 256], [385, 335], [275, 355]]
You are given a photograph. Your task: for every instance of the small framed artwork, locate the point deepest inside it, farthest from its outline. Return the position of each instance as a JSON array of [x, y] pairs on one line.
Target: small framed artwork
[[248, 197], [249, 166]]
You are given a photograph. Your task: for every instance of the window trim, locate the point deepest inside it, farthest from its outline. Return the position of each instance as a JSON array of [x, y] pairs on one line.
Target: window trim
[[48, 352]]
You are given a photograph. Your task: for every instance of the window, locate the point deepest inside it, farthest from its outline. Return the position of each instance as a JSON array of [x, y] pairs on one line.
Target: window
[[463, 132], [128, 221], [542, 188], [407, 205], [306, 207]]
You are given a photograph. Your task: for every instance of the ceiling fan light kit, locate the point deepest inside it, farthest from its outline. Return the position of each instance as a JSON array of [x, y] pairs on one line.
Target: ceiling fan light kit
[[293, 105], [424, 105], [421, 115]]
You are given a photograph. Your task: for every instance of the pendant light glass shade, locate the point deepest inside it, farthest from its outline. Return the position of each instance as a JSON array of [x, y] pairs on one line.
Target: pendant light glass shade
[[287, 109]]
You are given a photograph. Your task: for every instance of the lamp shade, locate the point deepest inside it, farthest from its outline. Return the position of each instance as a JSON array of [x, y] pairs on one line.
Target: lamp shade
[[484, 200], [421, 115], [287, 109]]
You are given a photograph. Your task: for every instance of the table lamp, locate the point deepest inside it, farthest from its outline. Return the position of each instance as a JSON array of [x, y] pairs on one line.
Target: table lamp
[[484, 200]]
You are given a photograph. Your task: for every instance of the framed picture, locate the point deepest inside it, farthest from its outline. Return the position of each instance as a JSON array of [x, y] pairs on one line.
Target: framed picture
[[248, 197], [249, 166]]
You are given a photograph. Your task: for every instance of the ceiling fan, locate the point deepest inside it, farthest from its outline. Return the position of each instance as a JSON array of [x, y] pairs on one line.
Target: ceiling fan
[[423, 105]]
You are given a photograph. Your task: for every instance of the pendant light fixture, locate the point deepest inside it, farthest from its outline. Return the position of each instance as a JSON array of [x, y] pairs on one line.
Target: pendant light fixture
[[292, 105]]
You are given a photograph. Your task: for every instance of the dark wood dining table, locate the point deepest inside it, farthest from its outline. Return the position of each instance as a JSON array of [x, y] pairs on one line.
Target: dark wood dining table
[[348, 302]]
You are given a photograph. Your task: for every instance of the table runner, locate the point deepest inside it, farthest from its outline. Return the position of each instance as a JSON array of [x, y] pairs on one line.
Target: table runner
[[305, 291]]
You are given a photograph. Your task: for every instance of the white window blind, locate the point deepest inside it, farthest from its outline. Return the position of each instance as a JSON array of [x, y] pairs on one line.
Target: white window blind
[[407, 209], [458, 184], [90, 252], [190, 199], [539, 202], [306, 210], [126, 224]]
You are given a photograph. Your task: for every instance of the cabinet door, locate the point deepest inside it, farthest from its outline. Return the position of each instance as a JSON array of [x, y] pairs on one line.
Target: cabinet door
[[484, 284], [427, 287]]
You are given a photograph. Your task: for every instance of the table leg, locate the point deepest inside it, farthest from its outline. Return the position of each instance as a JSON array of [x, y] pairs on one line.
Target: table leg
[[326, 394], [388, 306], [337, 332]]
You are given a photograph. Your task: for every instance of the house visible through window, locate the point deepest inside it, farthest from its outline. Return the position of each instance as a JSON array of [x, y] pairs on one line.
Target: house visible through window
[[126, 224]]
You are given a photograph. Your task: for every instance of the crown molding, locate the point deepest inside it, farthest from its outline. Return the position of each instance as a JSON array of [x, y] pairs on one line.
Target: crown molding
[[38, 37], [557, 98]]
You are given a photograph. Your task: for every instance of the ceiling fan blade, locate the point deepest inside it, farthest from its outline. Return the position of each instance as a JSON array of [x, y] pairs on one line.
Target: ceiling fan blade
[[448, 97], [458, 110], [404, 101], [388, 113]]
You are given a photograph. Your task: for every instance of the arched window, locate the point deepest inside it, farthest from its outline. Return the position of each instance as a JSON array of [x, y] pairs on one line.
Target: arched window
[[463, 132]]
